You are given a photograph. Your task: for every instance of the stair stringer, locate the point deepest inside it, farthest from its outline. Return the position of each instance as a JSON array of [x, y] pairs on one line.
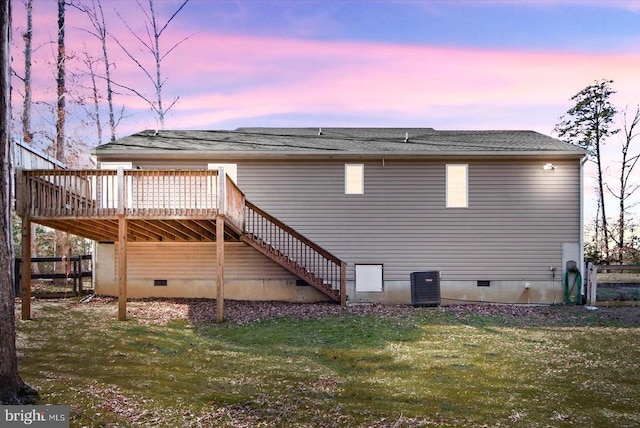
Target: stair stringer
[[289, 264]]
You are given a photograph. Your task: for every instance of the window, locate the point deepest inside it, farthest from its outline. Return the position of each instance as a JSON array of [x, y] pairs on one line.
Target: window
[[369, 278], [457, 186], [116, 165], [354, 179]]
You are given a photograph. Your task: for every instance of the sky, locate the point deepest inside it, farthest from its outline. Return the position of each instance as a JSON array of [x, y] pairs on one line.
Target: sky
[[442, 64]]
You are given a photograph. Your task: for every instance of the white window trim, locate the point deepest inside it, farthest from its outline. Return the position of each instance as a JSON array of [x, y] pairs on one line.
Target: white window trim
[[450, 198], [347, 168]]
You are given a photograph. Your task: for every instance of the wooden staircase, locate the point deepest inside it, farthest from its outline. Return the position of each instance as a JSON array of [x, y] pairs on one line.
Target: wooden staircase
[[296, 253]]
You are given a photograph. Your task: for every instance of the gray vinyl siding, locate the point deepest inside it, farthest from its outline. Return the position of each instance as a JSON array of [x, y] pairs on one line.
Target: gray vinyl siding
[[517, 219]]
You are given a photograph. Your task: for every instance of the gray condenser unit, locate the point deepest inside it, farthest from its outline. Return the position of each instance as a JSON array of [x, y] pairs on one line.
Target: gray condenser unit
[[425, 288]]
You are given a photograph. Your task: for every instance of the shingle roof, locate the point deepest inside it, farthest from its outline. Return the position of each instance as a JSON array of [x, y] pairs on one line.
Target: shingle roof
[[336, 141]]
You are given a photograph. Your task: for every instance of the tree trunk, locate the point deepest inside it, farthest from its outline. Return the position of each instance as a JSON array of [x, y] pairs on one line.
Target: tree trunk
[[605, 231], [156, 51], [621, 222], [597, 146], [102, 28], [95, 95], [12, 389], [27, 136], [62, 248], [60, 83], [622, 207], [62, 238]]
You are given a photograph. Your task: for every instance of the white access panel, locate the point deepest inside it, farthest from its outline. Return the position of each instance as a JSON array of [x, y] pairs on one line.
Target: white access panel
[[369, 278]]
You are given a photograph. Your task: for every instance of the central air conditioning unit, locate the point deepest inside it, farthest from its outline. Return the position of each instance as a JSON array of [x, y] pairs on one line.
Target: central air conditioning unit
[[425, 288]]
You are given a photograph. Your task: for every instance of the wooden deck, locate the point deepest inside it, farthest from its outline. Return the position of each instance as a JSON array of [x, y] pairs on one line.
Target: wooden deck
[[167, 205], [159, 205]]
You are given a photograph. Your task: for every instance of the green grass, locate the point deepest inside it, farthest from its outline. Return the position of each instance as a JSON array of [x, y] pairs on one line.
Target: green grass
[[561, 366]]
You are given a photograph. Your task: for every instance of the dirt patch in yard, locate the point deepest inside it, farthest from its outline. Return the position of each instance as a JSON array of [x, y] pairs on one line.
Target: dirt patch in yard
[[201, 311]]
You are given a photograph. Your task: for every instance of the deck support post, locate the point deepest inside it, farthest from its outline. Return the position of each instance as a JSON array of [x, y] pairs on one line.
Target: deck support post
[[25, 269], [122, 268], [122, 248], [220, 268]]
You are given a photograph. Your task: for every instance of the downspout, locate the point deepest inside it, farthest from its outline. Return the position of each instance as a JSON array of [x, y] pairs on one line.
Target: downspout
[[581, 251]]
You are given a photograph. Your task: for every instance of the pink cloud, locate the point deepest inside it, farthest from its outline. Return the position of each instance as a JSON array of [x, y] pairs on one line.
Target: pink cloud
[[248, 76], [224, 77]]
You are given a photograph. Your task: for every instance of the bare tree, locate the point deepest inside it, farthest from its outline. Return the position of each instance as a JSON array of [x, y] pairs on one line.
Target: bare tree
[[94, 112], [27, 36], [151, 43], [27, 132], [95, 14], [12, 389], [60, 84], [627, 186], [62, 238], [588, 124], [29, 106]]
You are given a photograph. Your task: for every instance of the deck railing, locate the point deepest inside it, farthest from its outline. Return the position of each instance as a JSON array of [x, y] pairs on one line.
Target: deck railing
[[134, 193], [175, 194], [305, 253]]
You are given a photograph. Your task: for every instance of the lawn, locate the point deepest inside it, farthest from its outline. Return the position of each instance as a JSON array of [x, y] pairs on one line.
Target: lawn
[[322, 366]]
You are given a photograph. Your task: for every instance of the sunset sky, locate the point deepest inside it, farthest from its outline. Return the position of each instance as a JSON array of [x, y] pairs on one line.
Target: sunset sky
[[442, 64]]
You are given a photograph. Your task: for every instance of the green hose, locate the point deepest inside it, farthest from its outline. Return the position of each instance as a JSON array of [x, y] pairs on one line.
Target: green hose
[[567, 291]]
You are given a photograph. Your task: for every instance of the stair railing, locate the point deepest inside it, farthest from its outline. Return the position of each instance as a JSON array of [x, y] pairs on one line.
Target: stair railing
[[287, 242]]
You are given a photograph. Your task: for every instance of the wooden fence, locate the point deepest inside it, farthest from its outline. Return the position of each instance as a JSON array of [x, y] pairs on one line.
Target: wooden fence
[[592, 277], [74, 270]]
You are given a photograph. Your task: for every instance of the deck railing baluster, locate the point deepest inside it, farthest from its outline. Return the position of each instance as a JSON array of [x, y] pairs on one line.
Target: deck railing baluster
[[311, 262], [56, 197]]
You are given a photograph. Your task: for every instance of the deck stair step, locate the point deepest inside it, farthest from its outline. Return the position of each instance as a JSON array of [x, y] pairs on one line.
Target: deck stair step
[[292, 266], [293, 251]]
